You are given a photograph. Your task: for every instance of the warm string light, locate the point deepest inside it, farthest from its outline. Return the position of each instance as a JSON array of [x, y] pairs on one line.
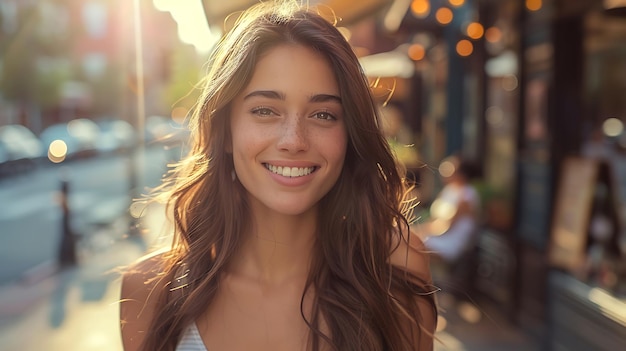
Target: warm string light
[[417, 52], [456, 3], [464, 47], [475, 30], [493, 34], [534, 5], [420, 8], [612, 127], [444, 15]]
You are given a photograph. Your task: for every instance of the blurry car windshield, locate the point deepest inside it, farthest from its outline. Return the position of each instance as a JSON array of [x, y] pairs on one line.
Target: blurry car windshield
[[79, 135], [19, 142]]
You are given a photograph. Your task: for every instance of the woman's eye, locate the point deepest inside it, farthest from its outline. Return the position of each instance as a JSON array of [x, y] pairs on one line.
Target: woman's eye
[[325, 115], [262, 111]]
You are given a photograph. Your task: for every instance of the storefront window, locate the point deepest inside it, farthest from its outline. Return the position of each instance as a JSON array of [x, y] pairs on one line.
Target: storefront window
[[605, 138]]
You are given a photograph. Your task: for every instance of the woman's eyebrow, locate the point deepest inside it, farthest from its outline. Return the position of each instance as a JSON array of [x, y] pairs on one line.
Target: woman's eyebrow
[[325, 98], [270, 94]]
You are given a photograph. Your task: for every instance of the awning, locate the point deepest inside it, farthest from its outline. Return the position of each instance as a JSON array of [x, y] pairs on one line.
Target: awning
[[388, 64]]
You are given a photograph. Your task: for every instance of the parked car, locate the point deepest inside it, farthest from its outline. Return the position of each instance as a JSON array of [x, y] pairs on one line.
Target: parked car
[[116, 135], [20, 150], [79, 135]]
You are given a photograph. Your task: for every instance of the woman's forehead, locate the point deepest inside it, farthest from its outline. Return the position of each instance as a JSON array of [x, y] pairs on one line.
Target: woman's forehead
[[293, 69]]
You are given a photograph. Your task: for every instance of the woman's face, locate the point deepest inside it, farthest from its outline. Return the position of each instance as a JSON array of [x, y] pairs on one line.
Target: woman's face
[[288, 131]]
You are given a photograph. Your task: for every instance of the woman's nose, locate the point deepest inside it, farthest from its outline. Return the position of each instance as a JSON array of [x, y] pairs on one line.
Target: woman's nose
[[293, 136]]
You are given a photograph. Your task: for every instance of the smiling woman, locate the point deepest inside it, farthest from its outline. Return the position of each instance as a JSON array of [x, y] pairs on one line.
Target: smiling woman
[[290, 211]]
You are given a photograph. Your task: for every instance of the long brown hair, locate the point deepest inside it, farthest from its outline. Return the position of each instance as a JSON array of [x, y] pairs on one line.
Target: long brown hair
[[359, 218]]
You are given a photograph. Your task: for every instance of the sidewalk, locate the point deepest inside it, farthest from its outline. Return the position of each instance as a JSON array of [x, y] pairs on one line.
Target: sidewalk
[[465, 326], [77, 309], [74, 309]]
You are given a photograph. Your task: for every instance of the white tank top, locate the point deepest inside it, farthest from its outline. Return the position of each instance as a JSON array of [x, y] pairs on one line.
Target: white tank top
[[191, 340]]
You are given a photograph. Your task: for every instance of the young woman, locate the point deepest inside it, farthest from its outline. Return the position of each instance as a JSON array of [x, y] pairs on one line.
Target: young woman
[[289, 230]]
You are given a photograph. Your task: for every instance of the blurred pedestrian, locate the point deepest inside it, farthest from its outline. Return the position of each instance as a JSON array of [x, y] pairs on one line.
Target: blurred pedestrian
[[451, 229], [289, 230]]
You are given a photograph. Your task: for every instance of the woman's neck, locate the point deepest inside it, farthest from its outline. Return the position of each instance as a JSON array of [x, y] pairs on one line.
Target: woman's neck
[[276, 248]]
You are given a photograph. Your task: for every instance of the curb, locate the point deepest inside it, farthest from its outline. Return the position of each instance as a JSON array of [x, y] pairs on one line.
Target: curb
[[39, 272]]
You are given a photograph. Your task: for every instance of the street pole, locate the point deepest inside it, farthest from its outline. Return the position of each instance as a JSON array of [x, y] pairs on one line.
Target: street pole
[[67, 247], [137, 154]]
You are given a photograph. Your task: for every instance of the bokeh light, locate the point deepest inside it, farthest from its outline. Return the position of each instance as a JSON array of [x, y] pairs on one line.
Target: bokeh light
[[464, 47], [57, 151], [475, 30], [417, 52], [612, 127], [447, 168], [456, 3], [420, 8], [510, 82], [444, 15], [534, 5], [493, 34]]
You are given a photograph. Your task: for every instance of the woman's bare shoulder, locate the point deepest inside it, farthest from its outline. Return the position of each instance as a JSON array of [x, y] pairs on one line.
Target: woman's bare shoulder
[[139, 277], [138, 298], [410, 254]]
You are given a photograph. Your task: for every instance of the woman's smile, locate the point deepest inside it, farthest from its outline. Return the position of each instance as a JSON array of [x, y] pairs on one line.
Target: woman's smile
[[291, 172], [289, 139]]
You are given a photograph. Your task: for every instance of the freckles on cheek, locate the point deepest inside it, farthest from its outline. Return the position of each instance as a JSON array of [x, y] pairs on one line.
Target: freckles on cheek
[[246, 147]]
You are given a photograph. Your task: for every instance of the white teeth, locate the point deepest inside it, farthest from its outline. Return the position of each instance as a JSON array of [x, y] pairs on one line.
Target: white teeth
[[290, 171]]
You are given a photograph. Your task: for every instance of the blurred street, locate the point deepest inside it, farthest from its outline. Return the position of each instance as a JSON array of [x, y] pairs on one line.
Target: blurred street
[[72, 308], [99, 192], [95, 97]]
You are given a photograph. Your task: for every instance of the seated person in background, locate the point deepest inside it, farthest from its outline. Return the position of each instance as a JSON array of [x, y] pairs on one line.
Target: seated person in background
[[450, 230]]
